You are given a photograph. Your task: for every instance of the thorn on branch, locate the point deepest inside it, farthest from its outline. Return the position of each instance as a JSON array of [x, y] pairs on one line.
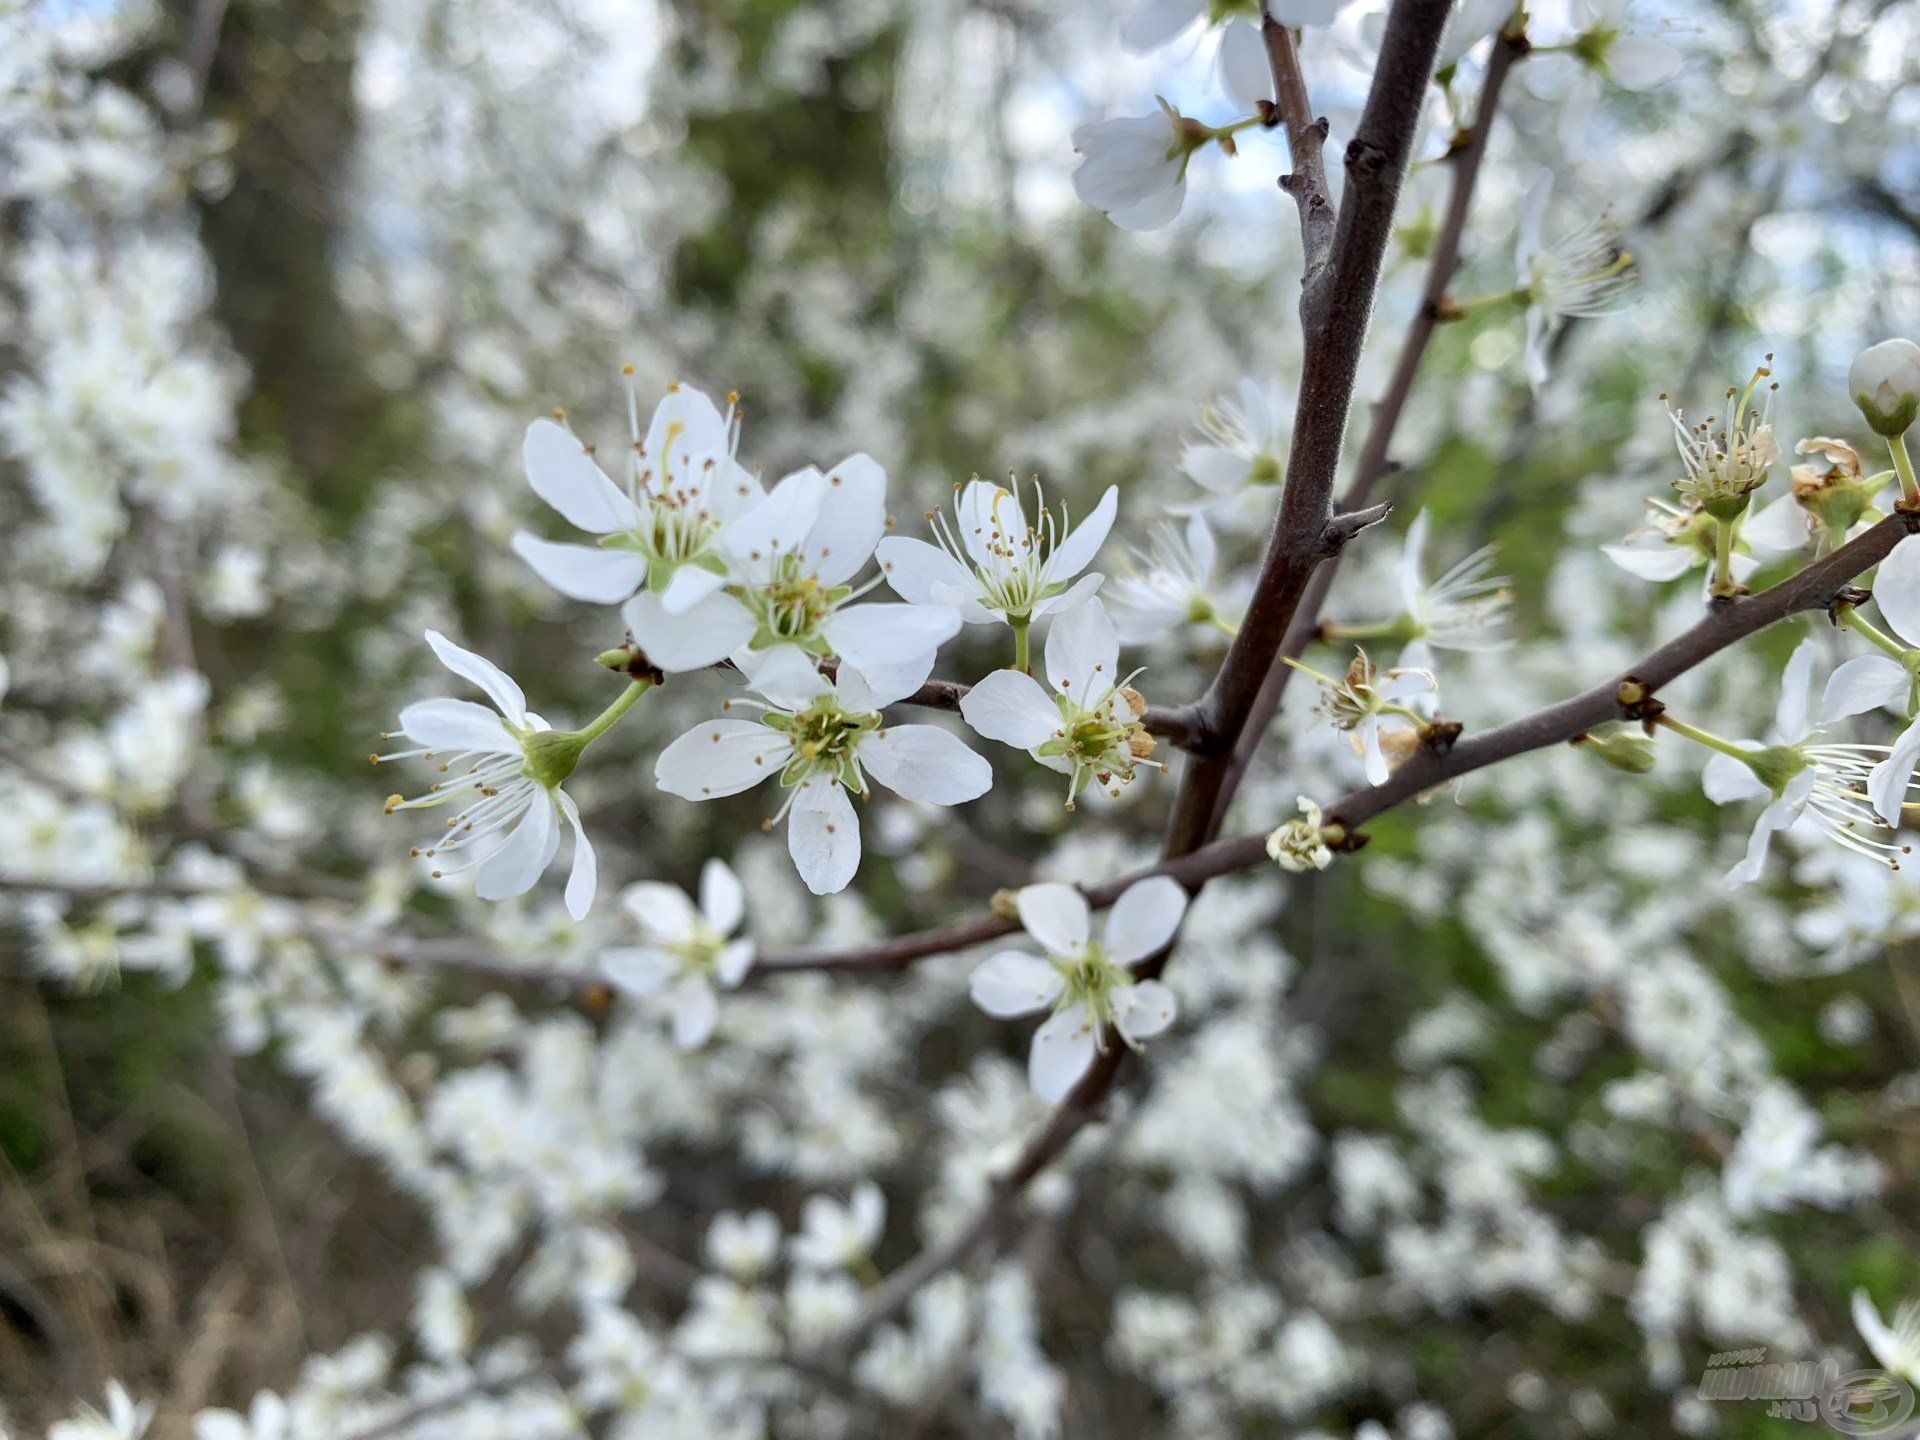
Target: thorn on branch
[[1343, 527]]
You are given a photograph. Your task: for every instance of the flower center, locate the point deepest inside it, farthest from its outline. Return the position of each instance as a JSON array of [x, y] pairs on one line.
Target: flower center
[[826, 740], [793, 605], [1090, 979]]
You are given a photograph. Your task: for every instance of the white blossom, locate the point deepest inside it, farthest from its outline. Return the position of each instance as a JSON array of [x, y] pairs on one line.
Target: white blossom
[[820, 738], [689, 949], [1088, 984]]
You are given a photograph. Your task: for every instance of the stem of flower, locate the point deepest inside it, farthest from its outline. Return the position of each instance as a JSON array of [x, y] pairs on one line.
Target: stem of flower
[[1452, 309], [1226, 627], [1850, 617], [1902, 462], [603, 722], [1704, 737], [1723, 581], [1021, 659]]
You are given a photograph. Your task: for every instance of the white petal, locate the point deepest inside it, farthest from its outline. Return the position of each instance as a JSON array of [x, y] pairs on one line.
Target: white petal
[[1063, 1050], [913, 568], [1013, 982], [1651, 562], [563, 474], [583, 878], [1144, 918], [1790, 720], [776, 526], [703, 635], [723, 900], [1896, 586], [519, 860], [1888, 781], [853, 517], [1083, 653], [1142, 1011], [823, 836], [1725, 780], [694, 1008], [1214, 467], [457, 725], [721, 757], [687, 430], [1640, 62], [1009, 706], [1299, 13], [736, 959], [1776, 816], [1244, 71], [1863, 683], [1076, 551], [1154, 212], [789, 677], [638, 969], [992, 523], [874, 686], [925, 763], [582, 572], [892, 639], [689, 586], [1056, 915], [506, 696], [1406, 572], [1149, 24], [1078, 593], [1779, 527], [663, 911], [1367, 734]]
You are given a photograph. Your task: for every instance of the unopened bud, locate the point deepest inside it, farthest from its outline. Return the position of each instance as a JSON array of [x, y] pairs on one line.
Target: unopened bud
[[1622, 748], [1885, 384]]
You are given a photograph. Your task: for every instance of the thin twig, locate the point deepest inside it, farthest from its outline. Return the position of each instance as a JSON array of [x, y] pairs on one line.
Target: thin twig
[[1306, 143]]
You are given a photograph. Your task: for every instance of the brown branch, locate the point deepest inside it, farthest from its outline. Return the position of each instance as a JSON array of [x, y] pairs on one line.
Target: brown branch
[[1334, 317], [1306, 144], [1465, 157]]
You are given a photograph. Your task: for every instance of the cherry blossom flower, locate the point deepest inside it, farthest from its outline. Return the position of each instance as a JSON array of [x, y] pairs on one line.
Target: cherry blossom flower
[[1301, 845], [1614, 45], [821, 738], [1242, 445], [507, 766], [1167, 586], [1134, 169], [1087, 983], [1085, 721], [787, 564], [1799, 778], [1828, 499], [1363, 700], [840, 1237], [1583, 273], [688, 949], [1465, 609], [993, 564], [1895, 1346], [1674, 540], [683, 485]]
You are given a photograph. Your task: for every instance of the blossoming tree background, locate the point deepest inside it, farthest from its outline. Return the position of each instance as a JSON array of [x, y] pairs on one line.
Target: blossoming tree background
[[1137, 718]]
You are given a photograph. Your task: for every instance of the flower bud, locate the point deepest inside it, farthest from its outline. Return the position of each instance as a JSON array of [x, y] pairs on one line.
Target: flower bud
[[1302, 845], [1622, 748], [1885, 384]]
